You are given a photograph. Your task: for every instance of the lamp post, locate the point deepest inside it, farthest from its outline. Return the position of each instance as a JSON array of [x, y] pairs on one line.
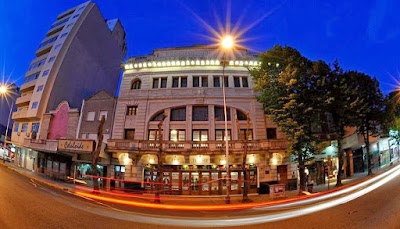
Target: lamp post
[[227, 43], [3, 92]]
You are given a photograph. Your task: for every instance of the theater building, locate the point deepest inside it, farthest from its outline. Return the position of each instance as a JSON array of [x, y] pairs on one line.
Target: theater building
[[185, 85]]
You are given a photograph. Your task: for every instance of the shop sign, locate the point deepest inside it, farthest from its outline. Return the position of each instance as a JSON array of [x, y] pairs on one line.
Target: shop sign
[[76, 145], [199, 159]]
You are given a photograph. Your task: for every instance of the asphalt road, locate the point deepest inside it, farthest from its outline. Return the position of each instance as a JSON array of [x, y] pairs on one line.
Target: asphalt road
[[27, 204]]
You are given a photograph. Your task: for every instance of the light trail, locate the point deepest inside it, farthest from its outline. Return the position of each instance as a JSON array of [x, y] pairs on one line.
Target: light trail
[[367, 187]]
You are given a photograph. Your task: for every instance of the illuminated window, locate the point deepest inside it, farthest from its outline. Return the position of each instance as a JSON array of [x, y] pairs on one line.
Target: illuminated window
[[177, 135], [153, 135], [220, 135], [246, 134], [103, 113], [131, 110], [200, 135]]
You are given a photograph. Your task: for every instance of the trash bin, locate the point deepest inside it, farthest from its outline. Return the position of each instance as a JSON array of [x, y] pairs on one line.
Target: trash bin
[[310, 187]]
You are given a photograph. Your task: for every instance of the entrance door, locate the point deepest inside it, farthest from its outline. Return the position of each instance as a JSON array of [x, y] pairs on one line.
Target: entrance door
[[282, 173]]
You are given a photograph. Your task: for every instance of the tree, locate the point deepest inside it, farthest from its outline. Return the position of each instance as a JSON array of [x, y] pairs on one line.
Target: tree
[[370, 109], [392, 114], [95, 155], [159, 164], [340, 101], [287, 83], [245, 138]]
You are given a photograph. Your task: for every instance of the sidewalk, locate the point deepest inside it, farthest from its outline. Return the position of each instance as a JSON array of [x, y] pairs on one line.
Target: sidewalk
[[184, 200]]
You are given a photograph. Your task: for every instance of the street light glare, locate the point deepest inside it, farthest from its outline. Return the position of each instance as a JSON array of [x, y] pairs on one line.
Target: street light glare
[[3, 89], [227, 42]]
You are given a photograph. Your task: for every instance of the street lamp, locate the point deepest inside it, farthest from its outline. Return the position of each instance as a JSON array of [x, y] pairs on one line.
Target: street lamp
[[227, 43]]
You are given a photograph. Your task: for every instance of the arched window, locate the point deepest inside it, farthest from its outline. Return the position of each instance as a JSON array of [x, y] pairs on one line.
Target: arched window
[[158, 117], [241, 115], [136, 84]]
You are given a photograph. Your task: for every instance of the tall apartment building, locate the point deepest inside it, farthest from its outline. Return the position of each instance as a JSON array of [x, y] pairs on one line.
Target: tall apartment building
[[80, 55], [186, 84]]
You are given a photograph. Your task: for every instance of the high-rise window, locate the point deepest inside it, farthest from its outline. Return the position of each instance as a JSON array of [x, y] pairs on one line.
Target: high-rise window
[[46, 72], [63, 35], [175, 82], [39, 88], [200, 113], [52, 59], [34, 105], [35, 127], [131, 110]]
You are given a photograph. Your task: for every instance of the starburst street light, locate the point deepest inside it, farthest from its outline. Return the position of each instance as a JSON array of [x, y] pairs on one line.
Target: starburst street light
[[227, 44]]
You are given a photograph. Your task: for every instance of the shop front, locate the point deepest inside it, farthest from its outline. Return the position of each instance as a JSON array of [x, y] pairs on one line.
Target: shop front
[[200, 176]]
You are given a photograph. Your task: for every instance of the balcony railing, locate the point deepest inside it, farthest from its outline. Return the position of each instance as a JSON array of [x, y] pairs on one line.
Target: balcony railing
[[20, 113], [174, 146]]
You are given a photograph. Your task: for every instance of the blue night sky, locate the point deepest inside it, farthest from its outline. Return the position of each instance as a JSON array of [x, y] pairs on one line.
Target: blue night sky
[[363, 35]]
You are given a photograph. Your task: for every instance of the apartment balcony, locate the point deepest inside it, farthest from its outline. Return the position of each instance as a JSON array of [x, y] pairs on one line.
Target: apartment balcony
[[28, 86], [20, 113], [41, 145], [209, 147], [23, 100]]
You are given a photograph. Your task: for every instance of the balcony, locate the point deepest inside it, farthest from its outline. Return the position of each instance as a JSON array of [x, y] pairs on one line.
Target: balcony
[[23, 100], [28, 86], [20, 113], [116, 145]]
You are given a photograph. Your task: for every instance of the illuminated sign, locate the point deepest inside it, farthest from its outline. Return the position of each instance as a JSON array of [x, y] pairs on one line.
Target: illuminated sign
[[76, 145]]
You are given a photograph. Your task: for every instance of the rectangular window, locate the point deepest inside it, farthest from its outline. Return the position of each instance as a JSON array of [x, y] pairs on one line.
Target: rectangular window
[[245, 82], [31, 77], [103, 113], [246, 135], [39, 88], [204, 81], [131, 110], [183, 81], [16, 127], [236, 81], [35, 127], [24, 127], [175, 82], [46, 72], [219, 114], [271, 133], [155, 83], [34, 105], [177, 135], [220, 135], [63, 35], [196, 81], [90, 116], [75, 16], [226, 83], [37, 64], [200, 135], [200, 113], [217, 82], [129, 134], [153, 135], [52, 59], [178, 114], [70, 24], [57, 47], [163, 82]]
